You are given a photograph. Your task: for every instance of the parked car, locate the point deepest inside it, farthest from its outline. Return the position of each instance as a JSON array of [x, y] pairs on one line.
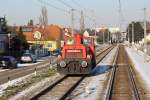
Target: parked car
[[56, 52], [28, 58], [8, 62]]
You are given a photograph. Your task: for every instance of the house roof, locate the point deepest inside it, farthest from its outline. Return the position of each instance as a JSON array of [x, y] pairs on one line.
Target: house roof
[[50, 32]]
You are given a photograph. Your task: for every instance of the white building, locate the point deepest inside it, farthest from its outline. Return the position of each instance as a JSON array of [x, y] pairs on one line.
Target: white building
[[115, 33]]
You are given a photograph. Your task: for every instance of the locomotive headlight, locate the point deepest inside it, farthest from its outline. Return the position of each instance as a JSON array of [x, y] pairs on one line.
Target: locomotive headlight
[[84, 64], [62, 64], [88, 57]]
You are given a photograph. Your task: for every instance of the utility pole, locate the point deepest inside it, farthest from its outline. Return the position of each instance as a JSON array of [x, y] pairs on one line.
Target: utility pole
[[82, 21], [72, 19], [108, 37], [120, 15], [95, 36], [128, 31], [103, 36], [145, 43], [132, 33], [95, 32], [120, 20]]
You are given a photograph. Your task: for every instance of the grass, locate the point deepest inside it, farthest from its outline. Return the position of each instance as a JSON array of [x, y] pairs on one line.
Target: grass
[[14, 89]]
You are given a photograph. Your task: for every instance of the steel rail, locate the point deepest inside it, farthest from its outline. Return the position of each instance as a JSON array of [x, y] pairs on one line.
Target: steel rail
[[135, 89], [108, 96], [72, 88], [105, 52], [112, 78], [49, 88]]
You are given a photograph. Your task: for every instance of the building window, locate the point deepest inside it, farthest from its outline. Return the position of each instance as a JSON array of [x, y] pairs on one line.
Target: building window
[[49, 45], [27, 29]]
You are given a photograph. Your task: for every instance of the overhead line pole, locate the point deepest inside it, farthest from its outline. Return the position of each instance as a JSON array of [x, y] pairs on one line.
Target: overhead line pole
[[82, 22], [132, 33], [128, 34], [72, 20], [145, 43], [103, 37]]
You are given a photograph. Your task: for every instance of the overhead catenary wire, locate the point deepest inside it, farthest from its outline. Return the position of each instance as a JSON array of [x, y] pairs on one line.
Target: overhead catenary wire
[[64, 10], [55, 7], [77, 4], [81, 6], [66, 4]]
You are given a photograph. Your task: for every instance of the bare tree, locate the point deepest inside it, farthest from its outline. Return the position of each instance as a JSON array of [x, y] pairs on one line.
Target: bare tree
[[43, 19]]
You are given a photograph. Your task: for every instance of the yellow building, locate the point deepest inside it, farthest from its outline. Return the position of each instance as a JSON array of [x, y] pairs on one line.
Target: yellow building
[[48, 37]]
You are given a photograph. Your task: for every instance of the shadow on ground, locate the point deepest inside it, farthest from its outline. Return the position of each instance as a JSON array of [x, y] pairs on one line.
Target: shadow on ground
[[100, 69]]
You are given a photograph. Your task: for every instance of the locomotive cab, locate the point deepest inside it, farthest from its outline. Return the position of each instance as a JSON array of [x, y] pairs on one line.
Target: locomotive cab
[[77, 55]]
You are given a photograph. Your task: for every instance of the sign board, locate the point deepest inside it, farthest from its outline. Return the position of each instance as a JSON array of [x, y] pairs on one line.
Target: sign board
[[37, 35]]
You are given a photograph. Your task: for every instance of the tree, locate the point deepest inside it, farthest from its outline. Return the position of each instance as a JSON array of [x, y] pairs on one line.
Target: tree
[[138, 31], [18, 42], [3, 25], [100, 35], [43, 19]]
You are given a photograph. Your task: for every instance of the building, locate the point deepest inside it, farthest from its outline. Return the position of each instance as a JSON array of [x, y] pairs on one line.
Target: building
[[115, 33], [3, 42], [48, 37]]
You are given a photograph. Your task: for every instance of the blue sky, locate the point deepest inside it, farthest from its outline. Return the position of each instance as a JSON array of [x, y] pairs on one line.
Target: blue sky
[[104, 11]]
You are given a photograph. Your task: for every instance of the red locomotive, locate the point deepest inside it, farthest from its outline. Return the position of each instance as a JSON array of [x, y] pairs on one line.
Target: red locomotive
[[77, 55]]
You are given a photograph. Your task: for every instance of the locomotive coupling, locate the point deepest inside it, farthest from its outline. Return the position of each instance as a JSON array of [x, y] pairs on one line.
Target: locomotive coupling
[[84, 64]]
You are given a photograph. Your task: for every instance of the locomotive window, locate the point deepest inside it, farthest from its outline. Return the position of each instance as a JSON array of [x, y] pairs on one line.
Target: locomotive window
[[87, 41], [70, 41]]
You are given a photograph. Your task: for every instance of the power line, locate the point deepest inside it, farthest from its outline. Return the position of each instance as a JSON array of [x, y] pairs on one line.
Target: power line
[[55, 7], [61, 1], [81, 6], [69, 6], [77, 3], [74, 8], [63, 10]]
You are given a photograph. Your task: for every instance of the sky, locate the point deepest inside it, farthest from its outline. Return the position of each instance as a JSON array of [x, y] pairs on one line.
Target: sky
[[104, 12]]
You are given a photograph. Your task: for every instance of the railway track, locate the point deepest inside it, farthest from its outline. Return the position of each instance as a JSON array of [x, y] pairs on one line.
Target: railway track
[[63, 87], [103, 50], [122, 85], [103, 54]]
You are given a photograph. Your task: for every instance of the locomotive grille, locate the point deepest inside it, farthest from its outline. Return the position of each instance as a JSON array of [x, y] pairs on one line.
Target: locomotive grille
[[74, 54]]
